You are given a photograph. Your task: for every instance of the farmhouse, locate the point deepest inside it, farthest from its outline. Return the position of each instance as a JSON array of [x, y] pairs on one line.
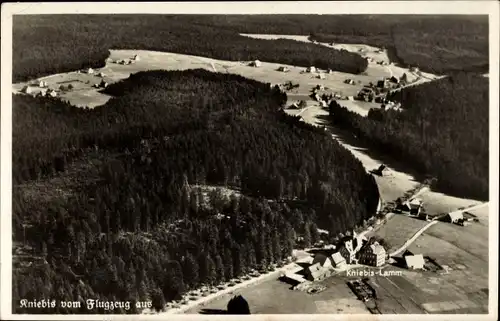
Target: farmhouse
[[350, 98], [454, 217], [323, 260], [321, 76], [51, 93], [315, 272], [394, 80], [414, 262], [27, 90], [349, 81], [283, 69], [404, 78], [338, 260], [256, 63], [90, 71], [311, 69]]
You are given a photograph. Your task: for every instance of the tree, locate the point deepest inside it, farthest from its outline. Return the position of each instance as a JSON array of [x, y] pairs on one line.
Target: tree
[[307, 235], [190, 270], [314, 232], [238, 305], [157, 300], [219, 268]]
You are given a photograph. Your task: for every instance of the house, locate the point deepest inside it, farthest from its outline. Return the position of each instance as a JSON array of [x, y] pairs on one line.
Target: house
[[256, 63], [51, 93], [372, 254], [349, 81], [293, 278], [103, 84], [283, 69], [321, 76], [350, 246], [454, 217], [330, 71], [42, 84], [414, 69], [90, 71], [101, 74], [350, 98], [347, 252], [323, 104], [382, 83], [338, 260], [316, 273], [311, 69], [27, 90], [423, 216], [414, 262], [404, 78], [305, 260], [323, 260], [394, 80], [136, 58]]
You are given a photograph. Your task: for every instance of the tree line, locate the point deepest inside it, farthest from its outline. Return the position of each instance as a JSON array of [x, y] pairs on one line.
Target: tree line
[[130, 201], [443, 131]]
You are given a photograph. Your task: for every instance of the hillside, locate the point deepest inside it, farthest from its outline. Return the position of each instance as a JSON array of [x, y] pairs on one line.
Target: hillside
[[443, 131], [128, 177], [43, 45]]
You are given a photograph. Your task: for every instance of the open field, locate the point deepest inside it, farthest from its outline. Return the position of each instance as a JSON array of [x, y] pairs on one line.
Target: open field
[[399, 229], [85, 95], [336, 299], [408, 292]]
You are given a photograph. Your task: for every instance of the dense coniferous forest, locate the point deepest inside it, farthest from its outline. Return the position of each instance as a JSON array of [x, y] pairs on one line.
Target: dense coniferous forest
[[184, 178], [443, 131], [45, 45]]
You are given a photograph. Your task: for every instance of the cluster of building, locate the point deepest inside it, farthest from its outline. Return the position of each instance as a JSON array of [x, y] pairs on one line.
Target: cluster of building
[[412, 206], [42, 91], [128, 61], [351, 250]]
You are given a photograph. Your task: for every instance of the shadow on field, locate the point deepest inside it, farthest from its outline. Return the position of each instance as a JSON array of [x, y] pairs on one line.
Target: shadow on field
[[213, 311], [345, 136]]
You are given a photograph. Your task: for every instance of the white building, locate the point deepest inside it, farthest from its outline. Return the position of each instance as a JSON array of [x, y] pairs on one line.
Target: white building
[[256, 63], [415, 262]]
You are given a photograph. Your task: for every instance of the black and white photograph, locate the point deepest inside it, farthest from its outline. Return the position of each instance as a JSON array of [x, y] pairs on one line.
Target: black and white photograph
[[265, 158]]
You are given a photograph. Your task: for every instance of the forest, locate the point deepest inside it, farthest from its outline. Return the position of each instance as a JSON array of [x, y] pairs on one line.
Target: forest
[[44, 45], [437, 44], [183, 179], [443, 131]]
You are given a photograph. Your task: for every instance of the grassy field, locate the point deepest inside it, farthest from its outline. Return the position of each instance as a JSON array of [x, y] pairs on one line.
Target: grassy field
[[398, 230], [85, 95], [276, 297]]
